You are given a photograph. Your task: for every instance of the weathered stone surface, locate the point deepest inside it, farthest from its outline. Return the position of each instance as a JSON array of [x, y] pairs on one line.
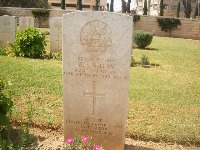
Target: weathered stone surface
[[8, 27], [96, 63], [55, 34], [25, 22]]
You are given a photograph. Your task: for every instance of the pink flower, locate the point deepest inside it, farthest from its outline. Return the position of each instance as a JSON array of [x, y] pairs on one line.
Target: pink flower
[[69, 140], [97, 147], [84, 139]]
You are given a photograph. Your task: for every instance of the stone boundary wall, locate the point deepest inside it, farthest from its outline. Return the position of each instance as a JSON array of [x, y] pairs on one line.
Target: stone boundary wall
[[17, 11], [189, 28]]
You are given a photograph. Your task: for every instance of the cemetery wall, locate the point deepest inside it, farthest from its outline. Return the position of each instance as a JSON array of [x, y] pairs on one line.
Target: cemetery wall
[[189, 28], [16, 11]]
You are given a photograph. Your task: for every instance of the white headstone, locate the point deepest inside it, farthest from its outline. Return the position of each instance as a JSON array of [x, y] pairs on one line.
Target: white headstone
[[8, 27], [25, 22], [55, 34], [96, 63]]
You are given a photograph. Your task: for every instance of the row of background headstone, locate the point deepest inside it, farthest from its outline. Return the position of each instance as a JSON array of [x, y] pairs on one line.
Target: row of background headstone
[[8, 27]]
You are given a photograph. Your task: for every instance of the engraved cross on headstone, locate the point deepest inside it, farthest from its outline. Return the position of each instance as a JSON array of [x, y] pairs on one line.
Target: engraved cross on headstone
[[95, 95], [58, 41]]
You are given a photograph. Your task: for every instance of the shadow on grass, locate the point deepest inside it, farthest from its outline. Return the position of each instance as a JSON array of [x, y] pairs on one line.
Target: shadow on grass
[[151, 65], [147, 49], [132, 147]]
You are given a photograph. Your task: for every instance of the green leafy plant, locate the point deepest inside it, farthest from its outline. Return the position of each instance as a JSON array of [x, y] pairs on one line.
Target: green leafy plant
[[55, 55], [168, 24], [142, 39], [133, 62], [5, 106], [81, 143], [29, 43], [2, 52], [41, 15], [136, 18], [7, 50], [46, 33], [144, 60]]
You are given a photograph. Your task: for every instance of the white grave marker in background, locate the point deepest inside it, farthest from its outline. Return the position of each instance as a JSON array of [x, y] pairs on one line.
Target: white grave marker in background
[[8, 27], [55, 34]]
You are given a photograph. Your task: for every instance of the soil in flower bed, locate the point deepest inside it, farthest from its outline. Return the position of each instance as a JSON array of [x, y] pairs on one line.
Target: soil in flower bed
[[51, 139]]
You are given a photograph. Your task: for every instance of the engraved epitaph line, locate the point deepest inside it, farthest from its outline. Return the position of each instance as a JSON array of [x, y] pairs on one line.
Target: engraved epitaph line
[[95, 95]]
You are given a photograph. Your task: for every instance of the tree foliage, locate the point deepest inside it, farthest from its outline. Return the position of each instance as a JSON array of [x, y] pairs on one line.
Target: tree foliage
[[178, 9], [97, 4], [63, 4], [168, 24], [145, 8], [187, 7], [126, 6], [111, 5], [161, 8], [79, 5], [196, 11], [24, 3]]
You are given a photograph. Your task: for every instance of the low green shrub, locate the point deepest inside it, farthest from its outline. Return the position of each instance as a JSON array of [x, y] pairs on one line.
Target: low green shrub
[[144, 60], [133, 63], [136, 18], [142, 39], [168, 24], [2, 52], [55, 55], [7, 50], [29, 43]]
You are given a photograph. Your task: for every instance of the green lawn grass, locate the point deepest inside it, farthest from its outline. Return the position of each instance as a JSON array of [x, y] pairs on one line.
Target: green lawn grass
[[164, 101]]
